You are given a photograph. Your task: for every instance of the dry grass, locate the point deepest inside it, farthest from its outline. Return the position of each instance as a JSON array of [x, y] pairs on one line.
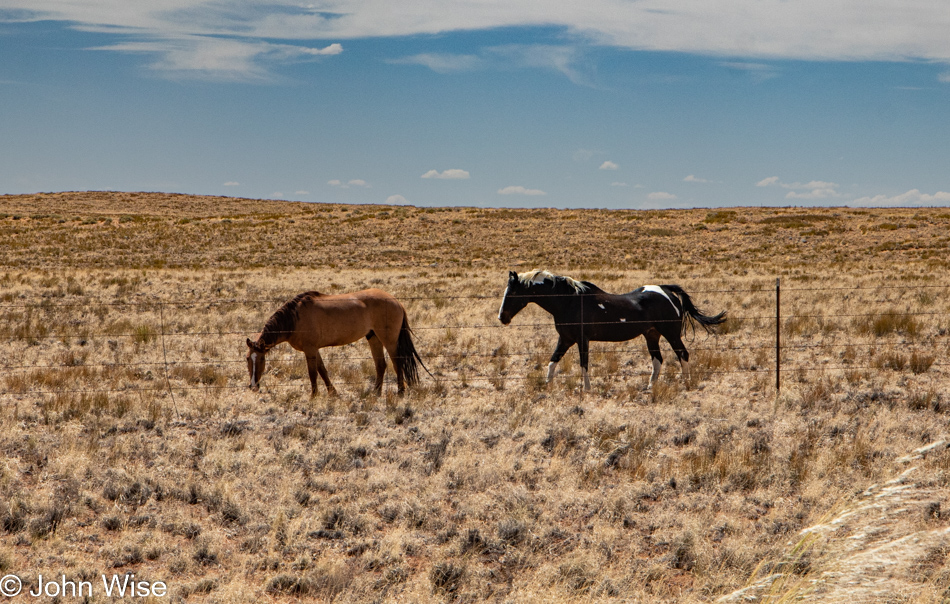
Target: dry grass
[[485, 483]]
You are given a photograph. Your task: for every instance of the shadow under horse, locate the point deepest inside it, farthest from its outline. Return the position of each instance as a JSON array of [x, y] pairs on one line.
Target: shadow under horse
[[312, 320], [583, 313]]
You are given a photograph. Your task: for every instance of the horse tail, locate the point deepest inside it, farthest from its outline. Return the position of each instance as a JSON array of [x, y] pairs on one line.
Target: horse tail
[[692, 313], [406, 355]]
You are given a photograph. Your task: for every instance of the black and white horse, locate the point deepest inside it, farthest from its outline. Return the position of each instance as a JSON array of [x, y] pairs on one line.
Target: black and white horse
[[583, 312]]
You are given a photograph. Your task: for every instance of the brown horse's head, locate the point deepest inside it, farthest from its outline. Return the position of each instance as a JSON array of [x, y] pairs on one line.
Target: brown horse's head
[[255, 363]]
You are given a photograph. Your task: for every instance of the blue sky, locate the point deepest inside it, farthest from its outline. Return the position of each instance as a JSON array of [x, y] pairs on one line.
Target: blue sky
[[606, 103]]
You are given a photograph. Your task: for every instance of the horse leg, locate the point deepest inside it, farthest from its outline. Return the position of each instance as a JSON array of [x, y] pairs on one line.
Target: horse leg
[[391, 348], [379, 359], [681, 353], [584, 348], [315, 366], [563, 345], [653, 345]]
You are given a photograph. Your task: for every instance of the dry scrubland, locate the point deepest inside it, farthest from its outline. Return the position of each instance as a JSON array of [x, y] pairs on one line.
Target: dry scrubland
[[485, 484]]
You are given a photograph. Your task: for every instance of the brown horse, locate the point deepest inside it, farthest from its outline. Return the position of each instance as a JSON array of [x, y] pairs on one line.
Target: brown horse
[[313, 320]]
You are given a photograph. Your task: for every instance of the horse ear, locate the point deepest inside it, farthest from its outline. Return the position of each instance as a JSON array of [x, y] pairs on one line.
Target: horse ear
[[250, 344], [512, 275]]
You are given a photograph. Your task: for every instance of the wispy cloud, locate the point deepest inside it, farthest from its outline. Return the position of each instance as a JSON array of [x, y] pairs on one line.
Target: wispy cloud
[[220, 59], [661, 196], [821, 193], [356, 182], [452, 174], [244, 38], [564, 59], [815, 189], [696, 179], [912, 198], [758, 71], [441, 62], [519, 190], [609, 165]]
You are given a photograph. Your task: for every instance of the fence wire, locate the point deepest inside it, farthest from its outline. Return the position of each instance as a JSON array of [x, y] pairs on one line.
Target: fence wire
[[172, 363]]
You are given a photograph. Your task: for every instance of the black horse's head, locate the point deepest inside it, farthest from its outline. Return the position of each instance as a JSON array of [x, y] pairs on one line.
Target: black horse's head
[[515, 298]]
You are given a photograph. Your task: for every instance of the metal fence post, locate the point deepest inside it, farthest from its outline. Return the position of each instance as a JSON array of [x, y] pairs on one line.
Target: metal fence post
[[778, 334]]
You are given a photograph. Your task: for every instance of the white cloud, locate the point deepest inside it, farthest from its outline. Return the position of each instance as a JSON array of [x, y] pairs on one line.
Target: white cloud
[[814, 184], [452, 174], [333, 49], [692, 178], [563, 59], [396, 200], [356, 182], [301, 193], [911, 198], [236, 40], [519, 190], [609, 165], [817, 193], [661, 195], [849, 30], [815, 189], [231, 183], [221, 59]]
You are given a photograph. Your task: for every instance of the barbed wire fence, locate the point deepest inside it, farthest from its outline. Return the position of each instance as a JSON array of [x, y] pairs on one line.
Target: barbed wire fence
[[169, 364]]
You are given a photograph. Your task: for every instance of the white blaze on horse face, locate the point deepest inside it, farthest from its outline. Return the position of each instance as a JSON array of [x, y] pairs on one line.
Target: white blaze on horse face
[[656, 289], [552, 367], [503, 298]]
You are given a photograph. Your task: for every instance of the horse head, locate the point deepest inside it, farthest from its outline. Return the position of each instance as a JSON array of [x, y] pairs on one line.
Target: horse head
[[514, 300], [255, 363]]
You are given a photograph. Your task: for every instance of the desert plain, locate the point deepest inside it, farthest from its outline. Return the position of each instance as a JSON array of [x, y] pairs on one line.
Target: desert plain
[[131, 444]]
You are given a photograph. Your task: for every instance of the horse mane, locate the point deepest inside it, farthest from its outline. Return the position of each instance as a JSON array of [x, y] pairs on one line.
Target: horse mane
[[540, 276], [284, 320]]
